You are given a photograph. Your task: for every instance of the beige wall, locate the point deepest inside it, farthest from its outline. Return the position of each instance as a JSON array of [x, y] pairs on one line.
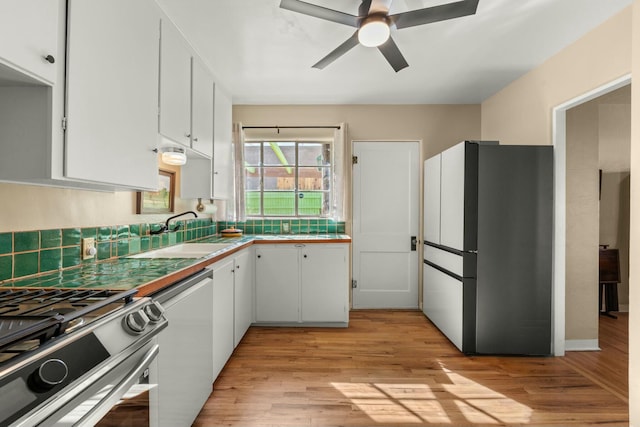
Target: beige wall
[[634, 280], [583, 223], [521, 113], [438, 126], [28, 207], [614, 225]]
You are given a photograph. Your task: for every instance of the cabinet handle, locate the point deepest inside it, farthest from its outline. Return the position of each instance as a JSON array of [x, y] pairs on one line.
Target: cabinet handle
[[195, 139], [259, 256], [238, 267], [187, 135], [50, 59], [305, 255]]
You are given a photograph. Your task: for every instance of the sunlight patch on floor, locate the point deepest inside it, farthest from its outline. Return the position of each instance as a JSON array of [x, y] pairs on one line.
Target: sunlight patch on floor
[[421, 403]]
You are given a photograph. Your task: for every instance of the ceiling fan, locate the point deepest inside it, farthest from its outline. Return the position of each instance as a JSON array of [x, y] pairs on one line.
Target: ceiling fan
[[373, 24]]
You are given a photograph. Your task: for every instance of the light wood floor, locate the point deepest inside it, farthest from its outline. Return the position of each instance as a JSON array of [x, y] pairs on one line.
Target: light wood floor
[[394, 368]]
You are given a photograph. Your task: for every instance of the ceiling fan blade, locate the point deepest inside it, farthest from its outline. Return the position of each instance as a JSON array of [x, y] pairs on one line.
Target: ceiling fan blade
[[435, 13], [390, 51], [320, 12], [349, 44], [365, 8], [380, 6]]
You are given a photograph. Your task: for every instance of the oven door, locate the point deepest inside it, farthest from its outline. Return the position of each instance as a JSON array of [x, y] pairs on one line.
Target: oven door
[[121, 397]]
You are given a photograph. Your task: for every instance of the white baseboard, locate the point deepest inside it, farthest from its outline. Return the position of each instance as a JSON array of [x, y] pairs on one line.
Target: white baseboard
[[581, 345]]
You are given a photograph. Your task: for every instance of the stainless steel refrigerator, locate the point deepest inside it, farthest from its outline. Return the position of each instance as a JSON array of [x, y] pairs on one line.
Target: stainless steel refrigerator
[[488, 218]]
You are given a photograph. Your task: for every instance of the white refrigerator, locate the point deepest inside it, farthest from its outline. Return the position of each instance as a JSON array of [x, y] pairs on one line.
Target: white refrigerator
[[488, 218]]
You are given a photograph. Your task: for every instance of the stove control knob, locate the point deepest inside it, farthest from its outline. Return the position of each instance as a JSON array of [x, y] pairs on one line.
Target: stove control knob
[[50, 373], [154, 311], [136, 322]]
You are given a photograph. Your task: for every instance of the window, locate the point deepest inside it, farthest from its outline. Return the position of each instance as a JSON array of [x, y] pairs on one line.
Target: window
[[288, 179]]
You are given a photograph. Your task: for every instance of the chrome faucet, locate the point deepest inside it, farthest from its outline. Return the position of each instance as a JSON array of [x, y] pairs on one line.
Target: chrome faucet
[[166, 228]]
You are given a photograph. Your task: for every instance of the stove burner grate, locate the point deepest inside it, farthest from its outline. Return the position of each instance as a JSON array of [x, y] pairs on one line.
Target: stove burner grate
[[41, 314]]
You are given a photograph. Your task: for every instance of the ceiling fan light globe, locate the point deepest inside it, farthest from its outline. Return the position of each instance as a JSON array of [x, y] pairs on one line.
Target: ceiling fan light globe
[[374, 33]]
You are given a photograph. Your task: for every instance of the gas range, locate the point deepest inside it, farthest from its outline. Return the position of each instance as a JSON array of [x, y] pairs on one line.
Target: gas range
[[53, 342]]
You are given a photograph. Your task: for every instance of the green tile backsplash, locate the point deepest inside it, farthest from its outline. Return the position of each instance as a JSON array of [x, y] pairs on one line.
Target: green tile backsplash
[[296, 226], [26, 241], [6, 243], [27, 253]]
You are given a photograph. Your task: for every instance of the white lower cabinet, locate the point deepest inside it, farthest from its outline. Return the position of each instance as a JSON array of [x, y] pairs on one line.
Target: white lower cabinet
[[232, 305], [243, 294], [302, 283], [277, 297], [223, 316], [324, 288], [184, 362]]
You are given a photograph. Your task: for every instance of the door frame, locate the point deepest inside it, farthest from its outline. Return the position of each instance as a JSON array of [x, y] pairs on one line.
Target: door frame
[[559, 130], [421, 153]]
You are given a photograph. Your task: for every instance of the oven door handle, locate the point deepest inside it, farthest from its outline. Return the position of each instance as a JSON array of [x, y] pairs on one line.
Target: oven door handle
[[106, 403]]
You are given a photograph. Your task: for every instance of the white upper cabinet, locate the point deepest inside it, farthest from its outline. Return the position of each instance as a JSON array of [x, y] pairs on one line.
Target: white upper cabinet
[[112, 92], [186, 94], [175, 85], [222, 145], [29, 38], [202, 88]]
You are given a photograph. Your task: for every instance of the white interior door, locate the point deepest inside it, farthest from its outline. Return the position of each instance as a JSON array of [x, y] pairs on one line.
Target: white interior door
[[386, 197]]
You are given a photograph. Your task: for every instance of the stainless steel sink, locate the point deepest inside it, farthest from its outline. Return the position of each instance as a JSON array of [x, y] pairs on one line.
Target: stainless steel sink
[[184, 250]]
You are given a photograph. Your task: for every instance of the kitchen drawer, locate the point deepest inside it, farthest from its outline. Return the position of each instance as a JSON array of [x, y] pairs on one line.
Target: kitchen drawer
[[443, 303], [447, 260]]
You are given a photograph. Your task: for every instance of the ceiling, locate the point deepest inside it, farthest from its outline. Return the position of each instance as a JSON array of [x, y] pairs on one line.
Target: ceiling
[[263, 54]]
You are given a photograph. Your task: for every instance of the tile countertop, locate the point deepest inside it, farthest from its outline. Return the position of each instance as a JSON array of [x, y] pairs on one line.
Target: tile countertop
[[150, 275]]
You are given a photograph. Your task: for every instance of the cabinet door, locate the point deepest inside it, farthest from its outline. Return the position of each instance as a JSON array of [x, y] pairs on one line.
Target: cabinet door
[[175, 85], [442, 303], [201, 109], [112, 92], [28, 34], [222, 314], [222, 145], [184, 363], [243, 301], [277, 276], [452, 197], [195, 179], [324, 280], [432, 200]]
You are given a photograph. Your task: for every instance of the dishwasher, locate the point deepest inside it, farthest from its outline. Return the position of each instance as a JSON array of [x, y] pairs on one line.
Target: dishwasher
[[184, 371]]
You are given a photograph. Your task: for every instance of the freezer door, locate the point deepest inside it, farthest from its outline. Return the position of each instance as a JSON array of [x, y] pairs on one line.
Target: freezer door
[[515, 218]]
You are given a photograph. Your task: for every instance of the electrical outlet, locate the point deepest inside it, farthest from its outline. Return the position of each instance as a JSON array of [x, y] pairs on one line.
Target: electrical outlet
[[88, 248], [286, 227]]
